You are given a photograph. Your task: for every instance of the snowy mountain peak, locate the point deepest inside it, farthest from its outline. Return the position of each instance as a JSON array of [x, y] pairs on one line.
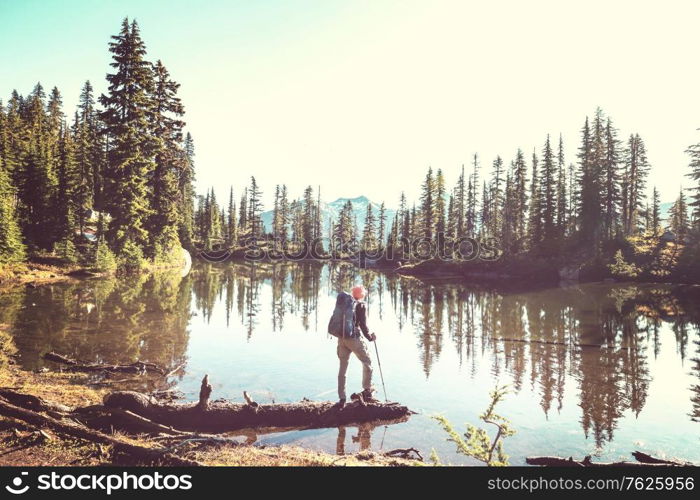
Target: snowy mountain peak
[[359, 200], [330, 212]]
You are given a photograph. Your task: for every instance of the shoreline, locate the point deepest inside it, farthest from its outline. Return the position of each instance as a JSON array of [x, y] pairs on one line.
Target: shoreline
[[28, 445]]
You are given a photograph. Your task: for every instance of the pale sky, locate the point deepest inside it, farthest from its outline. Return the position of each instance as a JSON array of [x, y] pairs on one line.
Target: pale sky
[[360, 97]]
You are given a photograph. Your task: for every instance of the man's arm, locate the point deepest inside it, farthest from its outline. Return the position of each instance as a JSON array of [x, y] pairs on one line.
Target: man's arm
[[361, 316]]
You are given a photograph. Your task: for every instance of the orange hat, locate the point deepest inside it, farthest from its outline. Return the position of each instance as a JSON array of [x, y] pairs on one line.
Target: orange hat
[[358, 292]]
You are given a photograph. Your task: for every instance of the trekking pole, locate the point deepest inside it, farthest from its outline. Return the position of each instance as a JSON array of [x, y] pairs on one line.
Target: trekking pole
[[376, 349]]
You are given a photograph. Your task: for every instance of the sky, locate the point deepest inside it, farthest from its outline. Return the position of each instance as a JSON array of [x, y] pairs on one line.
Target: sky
[[360, 97]]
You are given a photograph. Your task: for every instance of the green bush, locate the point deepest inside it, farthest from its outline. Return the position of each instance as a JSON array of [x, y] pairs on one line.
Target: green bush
[[476, 442], [105, 260], [65, 249], [620, 268], [131, 257]]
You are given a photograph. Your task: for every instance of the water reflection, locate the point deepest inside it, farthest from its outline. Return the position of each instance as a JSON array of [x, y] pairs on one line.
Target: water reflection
[[592, 345], [143, 317]]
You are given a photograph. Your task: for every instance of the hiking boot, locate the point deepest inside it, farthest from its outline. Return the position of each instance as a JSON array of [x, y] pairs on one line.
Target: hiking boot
[[367, 396]]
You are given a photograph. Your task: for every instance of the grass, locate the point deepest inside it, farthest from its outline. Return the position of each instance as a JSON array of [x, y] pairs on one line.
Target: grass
[[284, 456], [34, 272]]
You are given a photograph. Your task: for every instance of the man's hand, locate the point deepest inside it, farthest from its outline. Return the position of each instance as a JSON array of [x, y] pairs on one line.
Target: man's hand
[[372, 337]]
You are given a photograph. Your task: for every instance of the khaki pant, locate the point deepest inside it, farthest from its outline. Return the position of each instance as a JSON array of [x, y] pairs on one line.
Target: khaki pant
[[345, 347]]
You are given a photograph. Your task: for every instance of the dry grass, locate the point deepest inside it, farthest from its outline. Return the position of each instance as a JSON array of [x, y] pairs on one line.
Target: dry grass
[[33, 272], [21, 446], [69, 389], [285, 456]]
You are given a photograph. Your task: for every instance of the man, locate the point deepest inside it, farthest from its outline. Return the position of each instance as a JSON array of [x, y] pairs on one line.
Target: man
[[355, 344]]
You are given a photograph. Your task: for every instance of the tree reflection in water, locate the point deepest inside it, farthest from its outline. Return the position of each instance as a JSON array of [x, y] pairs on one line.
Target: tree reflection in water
[[600, 336]]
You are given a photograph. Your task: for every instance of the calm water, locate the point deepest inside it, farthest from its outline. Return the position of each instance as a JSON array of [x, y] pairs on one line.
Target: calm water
[[593, 369]]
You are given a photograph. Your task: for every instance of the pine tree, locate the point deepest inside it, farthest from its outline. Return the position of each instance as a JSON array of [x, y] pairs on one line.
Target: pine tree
[[634, 183], [655, 219], [11, 246], [694, 174], [283, 221], [128, 109], [520, 198], [243, 226], [369, 238], [65, 203], [427, 209], [573, 200], [611, 181], [406, 222], [381, 228], [89, 156], [37, 177], [679, 217], [589, 209], [170, 162], [460, 205], [562, 201], [318, 222], [451, 217], [255, 209], [472, 217], [231, 229], [509, 220], [548, 190], [187, 194], [496, 198], [486, 212], [308, 222], [535, 214], [344, 229], [439, 210]]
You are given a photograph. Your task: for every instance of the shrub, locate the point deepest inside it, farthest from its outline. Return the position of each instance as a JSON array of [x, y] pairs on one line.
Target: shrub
[[620, 268], [65, 249], [131, 257], [105, 260], [478, 443]]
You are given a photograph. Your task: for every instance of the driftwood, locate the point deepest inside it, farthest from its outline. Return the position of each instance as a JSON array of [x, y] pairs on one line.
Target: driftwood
[[226, 416], [219, 416], [643, 460], [32, 402], [404, 453], [204, 393], [69, 428], [139, 367]]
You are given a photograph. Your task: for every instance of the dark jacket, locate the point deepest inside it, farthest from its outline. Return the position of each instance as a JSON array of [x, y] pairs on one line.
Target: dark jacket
[[361, 320]]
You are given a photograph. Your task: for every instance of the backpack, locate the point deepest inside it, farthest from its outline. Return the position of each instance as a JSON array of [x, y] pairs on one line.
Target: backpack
[[342, 322]]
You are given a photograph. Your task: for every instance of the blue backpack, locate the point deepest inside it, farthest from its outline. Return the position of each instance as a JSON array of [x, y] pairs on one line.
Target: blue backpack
[[342, 323]]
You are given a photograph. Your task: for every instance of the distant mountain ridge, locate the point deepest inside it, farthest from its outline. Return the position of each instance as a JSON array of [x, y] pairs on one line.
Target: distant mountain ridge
[[331, 211]]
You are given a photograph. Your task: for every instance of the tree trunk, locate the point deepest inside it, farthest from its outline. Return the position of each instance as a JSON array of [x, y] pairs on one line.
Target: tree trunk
[[219, 416]]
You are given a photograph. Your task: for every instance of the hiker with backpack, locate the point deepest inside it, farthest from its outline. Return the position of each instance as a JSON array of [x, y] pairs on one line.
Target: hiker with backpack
[[349, 324]]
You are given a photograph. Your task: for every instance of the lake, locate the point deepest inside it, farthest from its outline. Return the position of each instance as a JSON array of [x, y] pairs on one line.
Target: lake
[[601, 369]]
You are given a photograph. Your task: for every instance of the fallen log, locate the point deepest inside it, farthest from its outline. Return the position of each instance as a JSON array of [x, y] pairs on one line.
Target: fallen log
[[404, 453], [219, 415], [643, 460], [31, 402], [648, 459], [69, 428], [73, 365]]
